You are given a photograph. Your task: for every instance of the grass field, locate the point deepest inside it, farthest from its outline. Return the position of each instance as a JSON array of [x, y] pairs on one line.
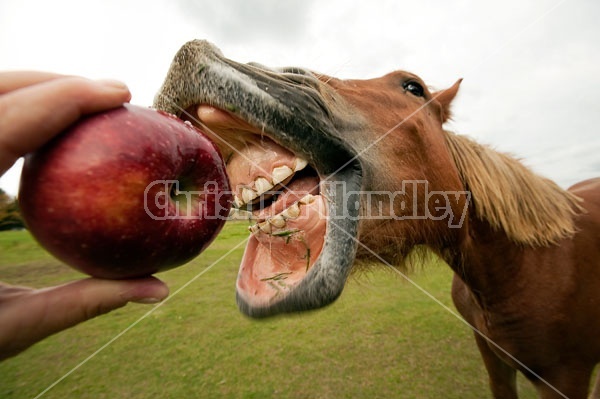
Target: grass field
[[382, 339]]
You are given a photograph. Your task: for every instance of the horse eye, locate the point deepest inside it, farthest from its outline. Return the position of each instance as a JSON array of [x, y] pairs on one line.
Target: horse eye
[[414, 88]]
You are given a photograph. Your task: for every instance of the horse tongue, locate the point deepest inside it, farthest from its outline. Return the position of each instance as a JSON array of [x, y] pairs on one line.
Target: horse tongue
[[292, 193]]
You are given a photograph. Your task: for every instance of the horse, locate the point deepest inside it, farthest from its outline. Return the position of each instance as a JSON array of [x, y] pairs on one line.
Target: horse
[[339, 174]]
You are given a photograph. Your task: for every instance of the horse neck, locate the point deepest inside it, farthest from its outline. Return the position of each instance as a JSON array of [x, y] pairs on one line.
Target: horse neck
[[486, 260]]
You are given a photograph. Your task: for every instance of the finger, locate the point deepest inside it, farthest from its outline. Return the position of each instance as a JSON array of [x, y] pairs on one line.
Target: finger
[[14, 80], [32, 115], [36, 314]]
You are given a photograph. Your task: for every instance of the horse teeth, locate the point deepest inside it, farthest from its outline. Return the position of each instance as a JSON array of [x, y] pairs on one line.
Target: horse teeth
[[299, 164], [292, 212], [281, 173], [248, 194], [262, 185], [265, 227], [307, 199], [277, 221], [237, 201]]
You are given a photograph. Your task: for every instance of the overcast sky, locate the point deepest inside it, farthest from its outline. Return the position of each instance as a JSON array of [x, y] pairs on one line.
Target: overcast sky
[[531, 68]]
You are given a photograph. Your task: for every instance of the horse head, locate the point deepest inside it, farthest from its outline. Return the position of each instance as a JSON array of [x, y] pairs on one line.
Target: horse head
[[332, 170]]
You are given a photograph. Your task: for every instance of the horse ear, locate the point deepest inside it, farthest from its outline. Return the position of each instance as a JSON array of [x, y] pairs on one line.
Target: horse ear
[[445, 97]]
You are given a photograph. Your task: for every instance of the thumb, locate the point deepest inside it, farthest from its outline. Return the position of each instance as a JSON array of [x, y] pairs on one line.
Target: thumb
[[28, 316]]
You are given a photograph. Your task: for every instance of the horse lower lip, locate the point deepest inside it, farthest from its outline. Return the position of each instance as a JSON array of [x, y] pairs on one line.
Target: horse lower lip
[[285, 251]]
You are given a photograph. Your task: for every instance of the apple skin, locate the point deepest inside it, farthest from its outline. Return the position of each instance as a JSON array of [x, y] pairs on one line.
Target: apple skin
[[100, 196]]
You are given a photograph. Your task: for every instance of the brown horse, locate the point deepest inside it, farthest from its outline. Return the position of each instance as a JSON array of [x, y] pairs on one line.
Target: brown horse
[[336, 171]]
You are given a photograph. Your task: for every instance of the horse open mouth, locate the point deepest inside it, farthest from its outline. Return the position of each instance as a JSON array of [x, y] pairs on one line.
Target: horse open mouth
[[281, 192], [289, 169]]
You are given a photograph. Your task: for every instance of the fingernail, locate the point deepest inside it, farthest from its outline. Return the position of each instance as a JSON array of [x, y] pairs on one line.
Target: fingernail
[[117, 84], [149, 291], [147, 301]]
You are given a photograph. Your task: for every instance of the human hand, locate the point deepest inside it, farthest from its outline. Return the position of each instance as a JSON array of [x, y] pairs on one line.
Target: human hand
[[34, 107]]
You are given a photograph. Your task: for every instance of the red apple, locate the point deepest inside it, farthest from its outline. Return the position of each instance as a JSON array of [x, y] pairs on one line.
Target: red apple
[[125, 193]]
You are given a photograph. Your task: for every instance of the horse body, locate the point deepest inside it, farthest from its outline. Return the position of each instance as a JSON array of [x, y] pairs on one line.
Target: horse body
[[525, 252], [538, 306]]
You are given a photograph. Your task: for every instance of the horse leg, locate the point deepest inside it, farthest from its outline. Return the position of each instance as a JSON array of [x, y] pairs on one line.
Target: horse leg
[[502, 377], [596, 392], [568, 381]]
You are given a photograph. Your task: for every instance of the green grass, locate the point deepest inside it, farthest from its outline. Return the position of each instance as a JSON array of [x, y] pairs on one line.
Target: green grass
[[382, 339]]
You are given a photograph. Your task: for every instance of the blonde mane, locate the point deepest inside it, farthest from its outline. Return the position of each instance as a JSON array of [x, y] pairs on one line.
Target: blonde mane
[[531, 210]]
